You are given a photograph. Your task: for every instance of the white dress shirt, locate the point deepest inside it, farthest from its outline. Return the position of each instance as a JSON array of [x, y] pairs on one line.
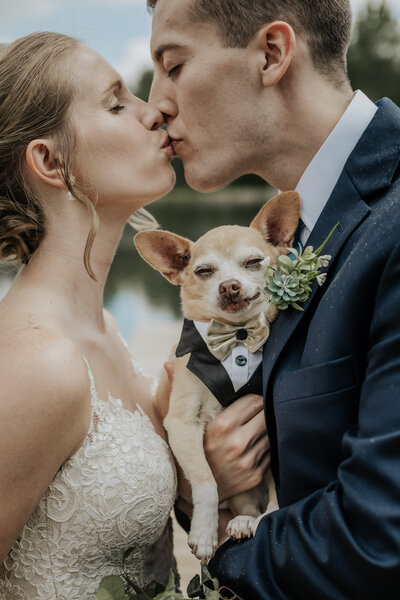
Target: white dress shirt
[[320, 177], [240, 364]]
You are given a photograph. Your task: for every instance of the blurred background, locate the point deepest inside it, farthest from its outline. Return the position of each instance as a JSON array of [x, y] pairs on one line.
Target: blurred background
[[145, 305]]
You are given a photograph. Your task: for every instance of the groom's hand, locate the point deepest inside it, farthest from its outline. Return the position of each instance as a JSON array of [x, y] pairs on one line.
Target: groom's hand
[[237, 446]]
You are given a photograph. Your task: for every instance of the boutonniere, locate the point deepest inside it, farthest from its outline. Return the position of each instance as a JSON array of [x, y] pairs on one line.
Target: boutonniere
[[289, 281]]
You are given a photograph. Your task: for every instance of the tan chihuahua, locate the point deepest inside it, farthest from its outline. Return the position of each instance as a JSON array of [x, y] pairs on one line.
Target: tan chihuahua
[[218, 358]]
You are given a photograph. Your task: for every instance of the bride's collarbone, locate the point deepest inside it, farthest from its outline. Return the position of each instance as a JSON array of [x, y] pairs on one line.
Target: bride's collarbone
[[113, 374]]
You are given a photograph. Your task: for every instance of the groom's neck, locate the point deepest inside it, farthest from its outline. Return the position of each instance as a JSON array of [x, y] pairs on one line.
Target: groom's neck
[[303, 121]]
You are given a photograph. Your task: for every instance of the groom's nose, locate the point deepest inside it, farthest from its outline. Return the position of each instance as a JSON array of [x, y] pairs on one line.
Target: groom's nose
[[161, 97]]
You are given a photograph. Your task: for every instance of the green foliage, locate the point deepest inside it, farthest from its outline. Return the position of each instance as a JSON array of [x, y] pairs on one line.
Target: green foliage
[[206, 588], [289, 281], [142, 89], [111, 588], [374, 56]]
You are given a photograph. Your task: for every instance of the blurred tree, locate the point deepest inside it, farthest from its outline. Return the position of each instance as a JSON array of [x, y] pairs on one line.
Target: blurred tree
[[142, 88], [374, 56]]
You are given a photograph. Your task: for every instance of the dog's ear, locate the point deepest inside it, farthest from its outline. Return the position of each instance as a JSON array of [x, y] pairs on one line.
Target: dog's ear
[[278, 219], [167, 252]]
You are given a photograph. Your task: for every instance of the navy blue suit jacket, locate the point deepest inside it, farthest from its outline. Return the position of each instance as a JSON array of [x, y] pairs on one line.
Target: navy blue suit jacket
[[332, 403]]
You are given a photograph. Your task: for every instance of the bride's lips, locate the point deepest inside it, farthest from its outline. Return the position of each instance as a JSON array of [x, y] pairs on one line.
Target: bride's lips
[[168, 146], [174, 142]]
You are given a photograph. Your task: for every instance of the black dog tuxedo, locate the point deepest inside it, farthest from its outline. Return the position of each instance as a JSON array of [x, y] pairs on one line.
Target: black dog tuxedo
[[210, 370]]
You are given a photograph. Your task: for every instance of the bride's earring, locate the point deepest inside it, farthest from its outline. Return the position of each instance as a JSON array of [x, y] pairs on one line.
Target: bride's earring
[[69, 195]]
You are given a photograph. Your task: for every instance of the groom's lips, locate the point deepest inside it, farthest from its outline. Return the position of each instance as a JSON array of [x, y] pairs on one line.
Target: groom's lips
[[175, 142]]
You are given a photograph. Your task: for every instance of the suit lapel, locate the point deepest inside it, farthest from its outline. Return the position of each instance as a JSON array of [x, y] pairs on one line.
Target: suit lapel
[[369, 170], [344, 207]]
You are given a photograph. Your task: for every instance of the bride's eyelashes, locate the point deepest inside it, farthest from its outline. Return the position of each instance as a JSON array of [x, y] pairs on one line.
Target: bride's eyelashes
[[117, 108]]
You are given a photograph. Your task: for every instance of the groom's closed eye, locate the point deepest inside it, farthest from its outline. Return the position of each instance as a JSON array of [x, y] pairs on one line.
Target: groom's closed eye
[[174, 70]]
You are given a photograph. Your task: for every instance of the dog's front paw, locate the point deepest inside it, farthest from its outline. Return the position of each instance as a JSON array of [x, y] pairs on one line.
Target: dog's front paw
[[241, 527], [203, 545]]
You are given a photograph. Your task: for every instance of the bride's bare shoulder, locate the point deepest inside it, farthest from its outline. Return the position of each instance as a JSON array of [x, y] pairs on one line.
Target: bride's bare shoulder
[[38, 363]]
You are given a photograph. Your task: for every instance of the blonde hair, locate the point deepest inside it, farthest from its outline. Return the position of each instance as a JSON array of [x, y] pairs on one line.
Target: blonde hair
[[36, 93]]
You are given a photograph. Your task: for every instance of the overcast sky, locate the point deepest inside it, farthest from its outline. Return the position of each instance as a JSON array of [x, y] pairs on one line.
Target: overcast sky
[[119, 29]]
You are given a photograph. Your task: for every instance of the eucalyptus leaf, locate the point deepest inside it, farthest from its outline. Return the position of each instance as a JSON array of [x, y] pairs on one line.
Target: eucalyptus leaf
[[153, 589], [111, 588], [194, 588], [171, 581], [207, 580]]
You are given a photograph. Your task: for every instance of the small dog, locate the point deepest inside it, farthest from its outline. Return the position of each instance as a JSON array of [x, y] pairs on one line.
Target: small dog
[[227, 316]]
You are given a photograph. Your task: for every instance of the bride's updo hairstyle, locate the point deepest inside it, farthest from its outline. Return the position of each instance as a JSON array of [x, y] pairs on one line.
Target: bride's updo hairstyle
[[36, 93]]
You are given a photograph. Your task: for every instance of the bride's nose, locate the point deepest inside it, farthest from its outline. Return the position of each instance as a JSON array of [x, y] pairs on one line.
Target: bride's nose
[[153, 118]]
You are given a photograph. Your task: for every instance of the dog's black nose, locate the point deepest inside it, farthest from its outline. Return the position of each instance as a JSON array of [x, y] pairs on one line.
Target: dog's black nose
[[230, 289]]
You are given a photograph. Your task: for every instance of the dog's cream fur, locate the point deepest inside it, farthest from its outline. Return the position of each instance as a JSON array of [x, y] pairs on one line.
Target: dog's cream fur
[[224, 254]]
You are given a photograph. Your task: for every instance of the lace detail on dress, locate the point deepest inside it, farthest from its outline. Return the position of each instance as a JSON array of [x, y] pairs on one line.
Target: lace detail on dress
[[116, 492]]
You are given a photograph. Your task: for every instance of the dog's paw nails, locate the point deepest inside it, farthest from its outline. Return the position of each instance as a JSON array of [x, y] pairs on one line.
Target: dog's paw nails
[[203, 546], [193, 549], [241, 526]]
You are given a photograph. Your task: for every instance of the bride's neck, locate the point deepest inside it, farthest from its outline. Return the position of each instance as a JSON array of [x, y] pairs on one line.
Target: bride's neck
[[56, 272]]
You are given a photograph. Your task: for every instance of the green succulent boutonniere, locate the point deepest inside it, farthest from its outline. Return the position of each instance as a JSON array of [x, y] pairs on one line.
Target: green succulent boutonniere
[[289, 281]]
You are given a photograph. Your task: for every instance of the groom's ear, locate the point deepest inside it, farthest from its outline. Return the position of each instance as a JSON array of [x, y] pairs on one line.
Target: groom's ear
[[278, 219], [167, 252], [275, 44]]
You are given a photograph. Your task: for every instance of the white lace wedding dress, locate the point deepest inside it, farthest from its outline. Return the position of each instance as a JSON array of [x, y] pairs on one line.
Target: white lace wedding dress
[[116, 492]]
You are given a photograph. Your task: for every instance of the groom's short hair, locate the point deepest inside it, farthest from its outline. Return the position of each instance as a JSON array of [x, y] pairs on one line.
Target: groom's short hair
[[325, 24]]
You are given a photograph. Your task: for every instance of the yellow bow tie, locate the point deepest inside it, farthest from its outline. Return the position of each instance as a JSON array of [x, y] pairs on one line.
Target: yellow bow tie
[[222, 337]]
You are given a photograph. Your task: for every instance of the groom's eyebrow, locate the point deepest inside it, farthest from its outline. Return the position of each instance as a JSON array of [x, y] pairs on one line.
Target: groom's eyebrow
[[158, 53]]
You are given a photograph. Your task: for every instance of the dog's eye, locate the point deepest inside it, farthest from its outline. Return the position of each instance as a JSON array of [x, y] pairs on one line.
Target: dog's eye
[[253, 263], [204, 272]]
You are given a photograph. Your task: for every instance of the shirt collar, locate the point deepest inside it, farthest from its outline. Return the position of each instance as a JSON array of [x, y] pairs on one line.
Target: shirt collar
[[320, 177]]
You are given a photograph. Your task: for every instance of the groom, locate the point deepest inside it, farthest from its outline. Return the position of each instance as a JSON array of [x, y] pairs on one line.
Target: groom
[[260, 86]]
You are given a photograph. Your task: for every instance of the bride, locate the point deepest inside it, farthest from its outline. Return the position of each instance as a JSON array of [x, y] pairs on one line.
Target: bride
[[85, 471]]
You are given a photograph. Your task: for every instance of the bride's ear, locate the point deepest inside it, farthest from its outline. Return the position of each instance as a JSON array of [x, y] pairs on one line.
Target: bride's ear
[[167, 252], [41, 160]]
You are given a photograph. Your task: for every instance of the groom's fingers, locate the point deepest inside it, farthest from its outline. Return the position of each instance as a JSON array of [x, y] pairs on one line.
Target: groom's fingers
[[259, 449], [238, 413], [237, 446], [254, 430]]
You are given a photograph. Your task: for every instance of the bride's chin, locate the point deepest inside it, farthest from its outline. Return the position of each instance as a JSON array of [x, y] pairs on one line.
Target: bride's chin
[[170, 181]]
